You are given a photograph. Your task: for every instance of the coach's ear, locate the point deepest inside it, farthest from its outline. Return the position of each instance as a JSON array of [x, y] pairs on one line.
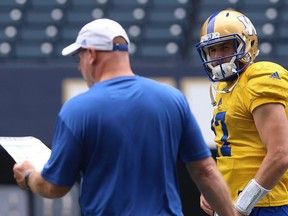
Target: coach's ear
[[92, 55]]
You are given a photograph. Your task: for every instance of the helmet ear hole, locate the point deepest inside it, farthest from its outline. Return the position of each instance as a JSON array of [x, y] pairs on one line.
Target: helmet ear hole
[[252, 43]]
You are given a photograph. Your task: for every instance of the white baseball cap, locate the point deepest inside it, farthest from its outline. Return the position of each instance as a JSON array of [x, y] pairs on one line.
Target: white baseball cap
[[99, 34]]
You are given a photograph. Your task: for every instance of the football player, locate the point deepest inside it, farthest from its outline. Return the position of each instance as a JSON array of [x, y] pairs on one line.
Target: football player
[[250, 123]]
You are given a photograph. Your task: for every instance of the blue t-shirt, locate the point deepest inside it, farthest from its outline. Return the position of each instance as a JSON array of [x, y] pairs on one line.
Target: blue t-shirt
[[124, 137]]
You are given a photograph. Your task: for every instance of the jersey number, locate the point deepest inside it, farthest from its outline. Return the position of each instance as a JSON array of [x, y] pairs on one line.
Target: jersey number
[[219, 121]]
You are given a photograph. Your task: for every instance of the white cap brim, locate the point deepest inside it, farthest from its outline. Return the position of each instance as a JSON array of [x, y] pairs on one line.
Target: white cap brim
[[70, 49]]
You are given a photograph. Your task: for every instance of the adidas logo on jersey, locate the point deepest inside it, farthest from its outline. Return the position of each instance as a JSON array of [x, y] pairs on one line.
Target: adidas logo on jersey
[[275, 75]]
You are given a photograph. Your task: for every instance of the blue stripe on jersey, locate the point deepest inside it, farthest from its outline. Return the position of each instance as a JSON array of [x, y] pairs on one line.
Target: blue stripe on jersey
[[211, 22]]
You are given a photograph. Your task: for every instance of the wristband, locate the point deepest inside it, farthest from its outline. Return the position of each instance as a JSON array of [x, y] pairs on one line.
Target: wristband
[[249, 197], [26, 180]]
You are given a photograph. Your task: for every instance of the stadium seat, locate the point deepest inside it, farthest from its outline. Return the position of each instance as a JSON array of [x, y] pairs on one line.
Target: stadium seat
[[88, 3], [40, 18], [159, 51], [69, 34], [129, 3], [78, 18], [38, 33], [9, 4], [122, 16], [33, 50], [162, 33], [258, 3], [169, 3]]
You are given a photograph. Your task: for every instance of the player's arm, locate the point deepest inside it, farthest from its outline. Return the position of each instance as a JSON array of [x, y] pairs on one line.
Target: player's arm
[[212, 185], [28, 178], [272, 125]]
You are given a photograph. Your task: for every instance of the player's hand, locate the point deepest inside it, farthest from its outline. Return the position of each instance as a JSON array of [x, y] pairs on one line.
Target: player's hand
[[19, 172], [205, 206]]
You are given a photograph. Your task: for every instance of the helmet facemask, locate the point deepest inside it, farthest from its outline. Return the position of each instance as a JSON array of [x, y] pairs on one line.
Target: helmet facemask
[[227, 66]]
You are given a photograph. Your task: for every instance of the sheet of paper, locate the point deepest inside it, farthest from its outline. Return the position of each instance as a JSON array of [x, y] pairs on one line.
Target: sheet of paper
[[26, 148]]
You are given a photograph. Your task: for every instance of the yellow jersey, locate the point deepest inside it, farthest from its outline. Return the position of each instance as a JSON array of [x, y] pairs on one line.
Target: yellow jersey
[[239, 146]]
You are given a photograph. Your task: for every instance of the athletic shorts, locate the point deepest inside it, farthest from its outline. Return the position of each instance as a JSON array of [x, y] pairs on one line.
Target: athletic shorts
[[270, 211]]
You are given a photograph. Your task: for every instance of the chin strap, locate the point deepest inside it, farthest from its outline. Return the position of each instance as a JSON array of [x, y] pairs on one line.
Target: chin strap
[[212, 98], [223, 91]]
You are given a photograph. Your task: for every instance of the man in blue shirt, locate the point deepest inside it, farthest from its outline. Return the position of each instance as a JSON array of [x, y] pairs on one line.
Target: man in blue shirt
[[123, 137]]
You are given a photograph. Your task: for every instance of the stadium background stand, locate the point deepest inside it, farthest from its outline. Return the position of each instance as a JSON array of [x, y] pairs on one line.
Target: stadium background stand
[[159, 30], [163, 35]]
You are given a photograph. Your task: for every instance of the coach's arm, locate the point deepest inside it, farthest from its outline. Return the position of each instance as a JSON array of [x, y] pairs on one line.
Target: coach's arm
[[212, 185], [35, 182]]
